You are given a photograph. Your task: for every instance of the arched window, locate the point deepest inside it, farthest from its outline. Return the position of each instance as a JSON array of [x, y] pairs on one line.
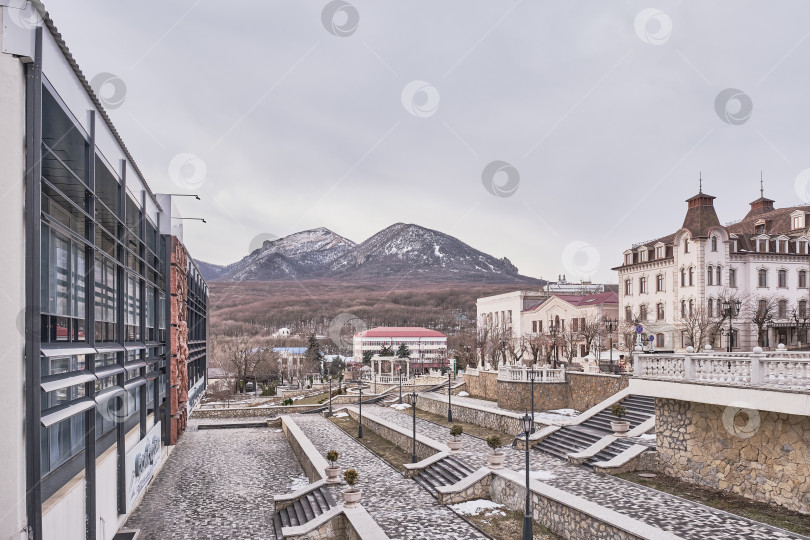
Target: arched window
[[683, 277], [802, 279], [782, 279], [710, 276], [691, 276], [659, 285], [683, 309], [714, 243], [659, 341], [732, 278], [628, 287], [642, 312], [710, 307], [660, 311], [802, 308], [691, 308], [719, 276], [686, 245], [628, 314], [782, 309], [642, 285]]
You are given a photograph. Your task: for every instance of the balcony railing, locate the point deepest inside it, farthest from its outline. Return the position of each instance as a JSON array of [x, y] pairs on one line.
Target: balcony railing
[[779, 370], [541, 375]]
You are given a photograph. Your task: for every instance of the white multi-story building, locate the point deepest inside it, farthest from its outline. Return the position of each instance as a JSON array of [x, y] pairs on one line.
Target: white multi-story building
[[675, 286], [428, 348]]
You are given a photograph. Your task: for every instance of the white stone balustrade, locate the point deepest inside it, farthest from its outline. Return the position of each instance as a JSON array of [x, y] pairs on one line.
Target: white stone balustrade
[[523, 374], [779, 370]]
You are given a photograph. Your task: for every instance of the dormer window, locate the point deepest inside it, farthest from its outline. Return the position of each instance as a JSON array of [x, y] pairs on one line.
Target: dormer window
[[660, 252], [628, 258], [797, 220], [781, 246], [642, 255], [762, 245], [801, 247], [760, 226]]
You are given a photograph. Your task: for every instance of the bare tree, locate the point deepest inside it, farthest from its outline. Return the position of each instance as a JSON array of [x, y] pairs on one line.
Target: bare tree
[[591, 332], [762, 312], [698, 327], [515, 349]]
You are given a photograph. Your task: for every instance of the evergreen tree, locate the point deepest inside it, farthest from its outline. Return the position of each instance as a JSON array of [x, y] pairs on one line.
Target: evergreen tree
[[403, 351], [386, 351], [367, 356], [314, 356]]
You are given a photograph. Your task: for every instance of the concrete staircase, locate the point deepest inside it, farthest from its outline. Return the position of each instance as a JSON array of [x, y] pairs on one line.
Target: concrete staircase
[[572, 439], [303, 509], [445, 472]]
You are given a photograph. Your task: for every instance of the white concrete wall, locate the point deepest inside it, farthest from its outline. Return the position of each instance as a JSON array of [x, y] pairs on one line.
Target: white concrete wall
[[12, 296]]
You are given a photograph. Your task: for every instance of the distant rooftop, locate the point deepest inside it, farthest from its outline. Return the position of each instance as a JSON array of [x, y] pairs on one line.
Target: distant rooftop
[[399, 332]]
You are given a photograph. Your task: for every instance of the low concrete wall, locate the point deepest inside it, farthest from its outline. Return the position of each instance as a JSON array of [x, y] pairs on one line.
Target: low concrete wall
[[311, 461], [400, 436], [505, 423], [251, 412]]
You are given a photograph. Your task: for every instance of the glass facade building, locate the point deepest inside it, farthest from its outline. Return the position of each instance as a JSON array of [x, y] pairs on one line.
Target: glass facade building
[[98, 309]]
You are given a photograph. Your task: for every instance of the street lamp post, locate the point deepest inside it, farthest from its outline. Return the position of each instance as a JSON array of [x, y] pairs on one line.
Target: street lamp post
[[413, 404], [360, 401], [531, 379], [730, 309], [527, 518], [553, 329], [399, 372], [611, 325], [449, 395], [330, 395]]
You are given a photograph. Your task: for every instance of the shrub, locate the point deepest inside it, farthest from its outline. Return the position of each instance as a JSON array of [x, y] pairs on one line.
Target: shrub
[[494, 442], [287, 401], [350, 476], [618, 410], [456, 430], [332, 456]]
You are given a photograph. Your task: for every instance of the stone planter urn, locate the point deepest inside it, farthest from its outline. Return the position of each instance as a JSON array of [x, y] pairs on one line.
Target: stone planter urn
[[455, 445], [351, 496], [620, 428], [332, 474], [495, 460]]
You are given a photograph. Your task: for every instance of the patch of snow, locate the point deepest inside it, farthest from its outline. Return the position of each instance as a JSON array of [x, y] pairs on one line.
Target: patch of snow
[[340, 415], [462, 394], [565, 412], [277, 431], [537, 475], [299, 482], [477, 506], [400, 406], [556, 415]]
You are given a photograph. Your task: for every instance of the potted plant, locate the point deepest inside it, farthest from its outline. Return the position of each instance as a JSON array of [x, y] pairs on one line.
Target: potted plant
[[332, 471], [351, 494], [496, 457], [455, 442], [620, 427]]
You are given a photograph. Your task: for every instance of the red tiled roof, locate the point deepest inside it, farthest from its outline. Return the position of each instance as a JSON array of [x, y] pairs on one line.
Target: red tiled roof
[[400, 332], [578, 300]]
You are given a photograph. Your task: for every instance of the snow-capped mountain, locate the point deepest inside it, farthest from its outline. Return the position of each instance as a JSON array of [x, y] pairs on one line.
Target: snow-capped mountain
[[299, 255], [403, 251]]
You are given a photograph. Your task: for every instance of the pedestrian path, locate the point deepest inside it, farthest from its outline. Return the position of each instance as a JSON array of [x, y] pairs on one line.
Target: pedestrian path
[[403, 509], [670, 513], [221, 484]]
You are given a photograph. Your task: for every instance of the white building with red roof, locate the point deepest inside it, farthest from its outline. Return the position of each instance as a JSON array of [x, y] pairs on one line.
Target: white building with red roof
[[428, 347]]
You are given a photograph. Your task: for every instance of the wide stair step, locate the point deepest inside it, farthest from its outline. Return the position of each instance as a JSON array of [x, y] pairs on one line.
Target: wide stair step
[[572, 439], [445, 472], [304, 509]]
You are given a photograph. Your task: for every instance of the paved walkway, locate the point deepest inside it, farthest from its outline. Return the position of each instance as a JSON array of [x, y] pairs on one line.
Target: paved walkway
[[400, 506], [667, 512], [219, 484]]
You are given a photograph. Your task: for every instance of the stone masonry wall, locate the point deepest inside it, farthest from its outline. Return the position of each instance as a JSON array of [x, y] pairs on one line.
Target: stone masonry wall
[[487, 419], [589, 389], [405, 442], [761, 455], [484, 385], [580, 391], [564, 520]]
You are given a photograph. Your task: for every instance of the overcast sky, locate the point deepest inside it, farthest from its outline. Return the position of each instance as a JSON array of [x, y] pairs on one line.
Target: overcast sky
[[284, 117]]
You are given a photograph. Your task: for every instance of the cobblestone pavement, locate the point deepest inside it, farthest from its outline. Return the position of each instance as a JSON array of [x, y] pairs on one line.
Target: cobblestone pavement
[[679, 516], [400, 506], [218, 484]]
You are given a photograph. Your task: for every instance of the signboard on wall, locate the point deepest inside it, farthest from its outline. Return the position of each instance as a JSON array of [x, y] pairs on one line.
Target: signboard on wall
[[195, 394], [141, 463]]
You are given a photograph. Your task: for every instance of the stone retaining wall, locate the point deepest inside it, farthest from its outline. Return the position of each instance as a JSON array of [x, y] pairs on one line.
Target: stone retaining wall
[[251, 412], [482, 385], [480, 417], [580, 391], [397, 435], [761, 455], [562, 519]]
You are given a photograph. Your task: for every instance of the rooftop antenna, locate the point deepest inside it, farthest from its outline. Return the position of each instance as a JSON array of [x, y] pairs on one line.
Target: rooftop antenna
[[761, 185], [700, 178]]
